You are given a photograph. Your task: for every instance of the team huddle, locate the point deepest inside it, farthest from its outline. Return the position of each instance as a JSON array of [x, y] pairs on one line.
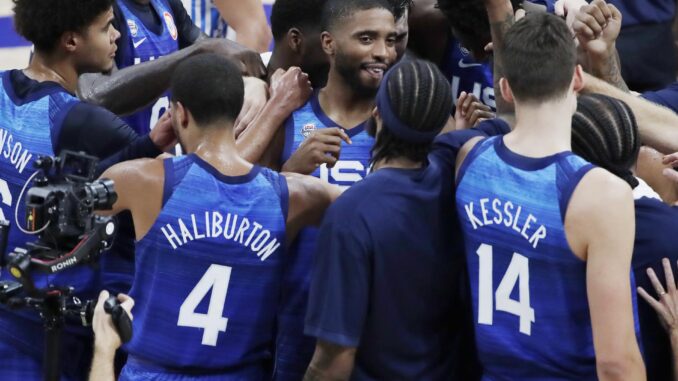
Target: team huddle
[[399, 190]]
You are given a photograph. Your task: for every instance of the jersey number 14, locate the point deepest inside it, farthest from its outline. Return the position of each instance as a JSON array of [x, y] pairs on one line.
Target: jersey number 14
[[518, 272], [216, 278]]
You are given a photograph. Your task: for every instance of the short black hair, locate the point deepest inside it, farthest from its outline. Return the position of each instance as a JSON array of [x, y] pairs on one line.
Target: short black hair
[[539, 57], [421, 98], [469, 20], [400, 6], [210, 87], [335, 11], [301, 14], [43, 22], [605, 133]]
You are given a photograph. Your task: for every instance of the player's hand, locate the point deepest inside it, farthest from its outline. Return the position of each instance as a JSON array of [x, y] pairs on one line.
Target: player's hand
[[106, 338], [671, 173], [597, 27], [667, 305], [569, 10], [250, 61], [256, 96], [470, 111], [320, 147], [290, 88], [162, 134]]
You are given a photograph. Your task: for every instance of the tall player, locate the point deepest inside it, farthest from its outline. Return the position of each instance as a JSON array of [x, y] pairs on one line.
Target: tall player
[[228, 243], [359, 39], [548, 236], [40, 115]]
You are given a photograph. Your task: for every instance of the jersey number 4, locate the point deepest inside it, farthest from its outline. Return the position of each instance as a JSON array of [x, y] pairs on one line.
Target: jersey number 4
[[518, 272], [216, 278]]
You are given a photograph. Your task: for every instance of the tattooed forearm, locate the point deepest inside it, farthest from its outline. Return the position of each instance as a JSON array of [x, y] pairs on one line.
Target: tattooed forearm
[[500, 22], [609, 70]]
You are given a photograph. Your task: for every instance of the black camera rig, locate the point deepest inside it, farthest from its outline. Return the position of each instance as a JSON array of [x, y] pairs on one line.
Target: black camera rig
[[60, 210]]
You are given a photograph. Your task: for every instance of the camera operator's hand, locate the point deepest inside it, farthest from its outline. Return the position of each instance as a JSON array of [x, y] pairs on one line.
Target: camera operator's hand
[[162, 134], [320, 147], [106, 338]]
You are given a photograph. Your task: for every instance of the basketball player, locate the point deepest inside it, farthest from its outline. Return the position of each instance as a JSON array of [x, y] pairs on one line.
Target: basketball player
[[359, 39], [548, 237], [385, 300], [40, 115], [604, 132], [228, 243], [155, 36]]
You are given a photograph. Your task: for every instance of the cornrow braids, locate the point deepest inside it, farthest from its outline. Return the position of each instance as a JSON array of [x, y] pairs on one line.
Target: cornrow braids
[[605, 133], [421, 98]]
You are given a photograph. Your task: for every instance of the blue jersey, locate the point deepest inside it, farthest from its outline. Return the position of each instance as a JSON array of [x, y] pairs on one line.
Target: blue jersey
[[294, 349], [528, 289], [206, 17], [146, 45], [468, 75], [30, 124], [209, 270]]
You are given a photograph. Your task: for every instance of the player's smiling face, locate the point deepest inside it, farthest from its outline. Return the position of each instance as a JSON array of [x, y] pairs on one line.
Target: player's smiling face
[[97, 53], [365, 49]]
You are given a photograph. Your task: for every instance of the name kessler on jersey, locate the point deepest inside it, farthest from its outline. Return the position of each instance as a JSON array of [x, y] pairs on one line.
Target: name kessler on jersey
[[505, 214], [249, 234]]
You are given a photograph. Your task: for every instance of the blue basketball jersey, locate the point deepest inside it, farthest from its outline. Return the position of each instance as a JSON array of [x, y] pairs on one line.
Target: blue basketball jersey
[[294, 349], [206, 17], [468, 75], [528, 289], [27, 127], [208, 273], [145, 45]]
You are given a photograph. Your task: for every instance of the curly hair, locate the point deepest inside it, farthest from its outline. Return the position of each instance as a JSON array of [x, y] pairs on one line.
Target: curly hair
[[43, 22]]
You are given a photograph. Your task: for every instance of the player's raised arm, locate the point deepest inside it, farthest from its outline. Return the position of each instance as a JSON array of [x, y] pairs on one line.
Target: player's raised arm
[[657, 125], [248, 20], [309, 198], [600, 227], [501, 17]]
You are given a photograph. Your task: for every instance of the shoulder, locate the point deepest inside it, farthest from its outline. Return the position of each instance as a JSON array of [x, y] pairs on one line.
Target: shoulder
[[599, 196], [139, 172]]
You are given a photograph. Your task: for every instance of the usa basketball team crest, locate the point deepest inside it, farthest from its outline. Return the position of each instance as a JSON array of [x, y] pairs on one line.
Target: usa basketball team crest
[[307, 129], [133, 29], [171, 27]]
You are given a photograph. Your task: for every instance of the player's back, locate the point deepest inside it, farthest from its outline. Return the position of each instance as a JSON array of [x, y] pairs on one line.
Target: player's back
[[528, 288], [219, 236]]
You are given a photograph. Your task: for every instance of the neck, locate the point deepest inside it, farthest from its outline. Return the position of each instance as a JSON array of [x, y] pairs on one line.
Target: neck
[[339, 98], [398, 162], [542, 129], [280, 59], [44, 67], [216, 145]]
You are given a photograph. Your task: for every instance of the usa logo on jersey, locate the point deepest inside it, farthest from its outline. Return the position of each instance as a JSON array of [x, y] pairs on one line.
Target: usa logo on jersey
[[133, 29], [307, 129]]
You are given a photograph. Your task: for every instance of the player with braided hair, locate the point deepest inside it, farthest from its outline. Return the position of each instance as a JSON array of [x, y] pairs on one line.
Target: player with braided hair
[[605, 132], [385, 299]]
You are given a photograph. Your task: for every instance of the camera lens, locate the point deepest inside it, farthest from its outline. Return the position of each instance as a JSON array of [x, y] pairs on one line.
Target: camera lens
[[102, 194]]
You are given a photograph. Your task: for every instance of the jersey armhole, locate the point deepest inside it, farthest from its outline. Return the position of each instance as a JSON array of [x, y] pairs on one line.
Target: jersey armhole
[[289, 139], [470, 157], [58, 122], [284, 196], [569, 188], [168, 187]]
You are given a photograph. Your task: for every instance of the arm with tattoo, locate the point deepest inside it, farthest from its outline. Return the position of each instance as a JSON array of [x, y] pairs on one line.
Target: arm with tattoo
[[500, 14]]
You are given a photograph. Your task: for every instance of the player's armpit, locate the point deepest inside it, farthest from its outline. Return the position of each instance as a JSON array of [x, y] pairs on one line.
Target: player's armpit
[[309, 198], [330, 362], [139, 185], [600, 228], [464, 151]]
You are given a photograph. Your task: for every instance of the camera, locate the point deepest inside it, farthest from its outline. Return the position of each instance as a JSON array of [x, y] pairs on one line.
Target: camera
[[60, 210]]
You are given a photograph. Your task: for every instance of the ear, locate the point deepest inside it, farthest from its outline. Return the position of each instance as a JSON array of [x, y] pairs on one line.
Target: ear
[[375, 113], [295, 40], [70, 41], [578, 80], [182, 114], [505, 88], [327, 43]]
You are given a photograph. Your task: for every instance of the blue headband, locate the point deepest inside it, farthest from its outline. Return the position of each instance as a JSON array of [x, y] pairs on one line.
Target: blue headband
[[393, 123]]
